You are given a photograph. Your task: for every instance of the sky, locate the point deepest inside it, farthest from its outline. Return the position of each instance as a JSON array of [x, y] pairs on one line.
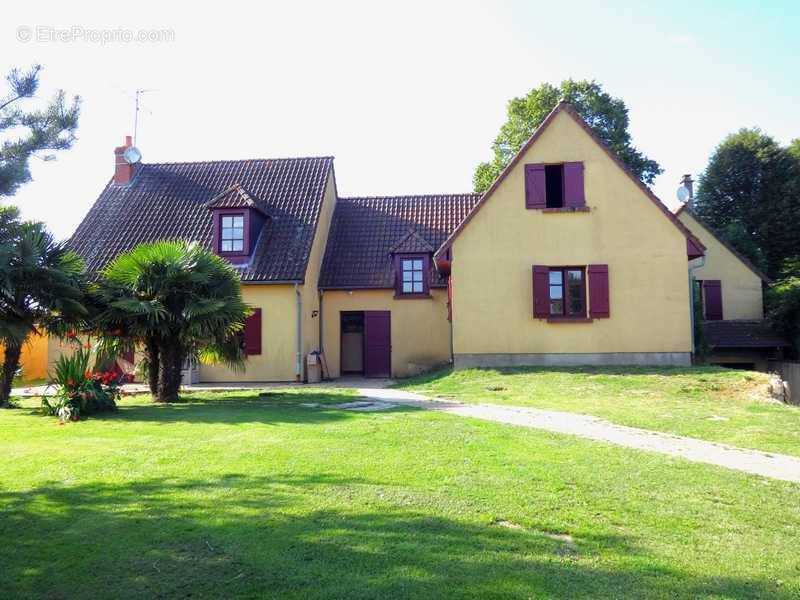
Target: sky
[[407, 96]]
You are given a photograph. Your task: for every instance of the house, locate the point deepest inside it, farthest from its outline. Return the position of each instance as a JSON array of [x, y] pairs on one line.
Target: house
[[567, 259], [729, 291]]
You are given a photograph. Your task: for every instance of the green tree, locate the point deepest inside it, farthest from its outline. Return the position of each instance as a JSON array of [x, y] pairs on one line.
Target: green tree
[[783, 309], [31, 130], [606, 115], [750, 194], [40, 289], [176, 299]]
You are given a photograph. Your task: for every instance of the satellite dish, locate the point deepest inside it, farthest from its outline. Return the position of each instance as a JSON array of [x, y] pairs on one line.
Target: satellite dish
[[132, 155], [683, 193]]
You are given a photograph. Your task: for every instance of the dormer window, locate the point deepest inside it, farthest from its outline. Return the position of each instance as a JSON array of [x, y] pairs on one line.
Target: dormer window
[[232, 234], [412, 275], [237, 223], [412, 266]]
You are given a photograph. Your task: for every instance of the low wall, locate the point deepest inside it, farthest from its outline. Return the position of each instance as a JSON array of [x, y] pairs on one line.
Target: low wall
[[790, 373]]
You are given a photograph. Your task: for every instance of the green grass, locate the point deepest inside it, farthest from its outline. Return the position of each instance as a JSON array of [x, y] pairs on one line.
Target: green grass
[[709, 403], [233, 495]]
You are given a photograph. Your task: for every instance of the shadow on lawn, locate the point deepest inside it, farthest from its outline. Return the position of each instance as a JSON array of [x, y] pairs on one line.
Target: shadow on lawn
[[276, 407], [261, 536]]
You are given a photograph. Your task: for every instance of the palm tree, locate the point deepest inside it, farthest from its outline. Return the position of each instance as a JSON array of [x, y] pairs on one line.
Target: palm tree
[[178, 300], [41, 288]]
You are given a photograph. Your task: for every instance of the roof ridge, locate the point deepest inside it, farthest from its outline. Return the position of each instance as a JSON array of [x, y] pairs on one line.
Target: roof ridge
[[236, 160], [405, 196]]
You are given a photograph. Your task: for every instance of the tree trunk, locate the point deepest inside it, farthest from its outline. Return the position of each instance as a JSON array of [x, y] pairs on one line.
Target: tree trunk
[[151, 348], [10, 366], [169, 379]]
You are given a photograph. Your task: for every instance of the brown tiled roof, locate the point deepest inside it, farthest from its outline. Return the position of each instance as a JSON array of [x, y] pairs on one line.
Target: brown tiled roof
[[170, 201], [365, 232], [412, 242], [741, 334], [234, 197], [570, 110]]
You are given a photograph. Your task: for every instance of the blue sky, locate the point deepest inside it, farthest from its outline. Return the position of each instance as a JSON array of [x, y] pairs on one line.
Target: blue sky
[[406, 96]]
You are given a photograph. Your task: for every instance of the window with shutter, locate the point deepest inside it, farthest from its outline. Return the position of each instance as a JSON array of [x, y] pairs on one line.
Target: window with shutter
[[541, 292], [573, 185], [599, 307], [554, 186], [252, 333], [535, 186]]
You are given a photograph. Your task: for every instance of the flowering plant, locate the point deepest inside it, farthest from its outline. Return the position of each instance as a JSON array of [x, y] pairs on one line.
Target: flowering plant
[[80, 391]]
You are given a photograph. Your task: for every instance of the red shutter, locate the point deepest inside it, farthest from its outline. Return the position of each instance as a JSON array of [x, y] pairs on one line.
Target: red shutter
[[541, 292], [712, 292], [252, 333], [600, 307], [573, 185], [534, 186]]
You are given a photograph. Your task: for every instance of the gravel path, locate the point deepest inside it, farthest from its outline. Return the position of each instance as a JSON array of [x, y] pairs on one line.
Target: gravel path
[[775, 466]]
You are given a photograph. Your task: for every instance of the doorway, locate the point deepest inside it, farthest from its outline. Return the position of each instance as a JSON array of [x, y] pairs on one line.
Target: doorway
[[352, 343], [365, 345]]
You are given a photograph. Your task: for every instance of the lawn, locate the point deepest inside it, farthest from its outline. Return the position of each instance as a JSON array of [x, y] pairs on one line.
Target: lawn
[[236, 495], [710, 403]]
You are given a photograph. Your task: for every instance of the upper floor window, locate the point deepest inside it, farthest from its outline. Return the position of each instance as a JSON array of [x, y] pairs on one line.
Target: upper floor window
[[412, 275], [555, 186], [232, 233]]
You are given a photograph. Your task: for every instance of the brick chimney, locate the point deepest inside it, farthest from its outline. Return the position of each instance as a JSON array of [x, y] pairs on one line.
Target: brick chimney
[[688, 183], [123, 172]]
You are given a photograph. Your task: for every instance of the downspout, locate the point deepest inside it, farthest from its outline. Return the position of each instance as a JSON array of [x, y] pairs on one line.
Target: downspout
[[298, 363], [692, 269], [321, 331], [450, 311]]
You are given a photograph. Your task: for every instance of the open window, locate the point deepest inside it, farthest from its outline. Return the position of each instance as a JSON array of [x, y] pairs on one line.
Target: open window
[[555, 186]]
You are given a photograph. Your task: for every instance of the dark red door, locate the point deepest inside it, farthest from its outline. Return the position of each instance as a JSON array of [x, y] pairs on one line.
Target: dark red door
[[377, 343]]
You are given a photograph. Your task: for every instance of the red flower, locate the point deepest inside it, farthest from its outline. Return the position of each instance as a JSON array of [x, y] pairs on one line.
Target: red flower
[[72, 334], [88, 375], [117, 331], [70, 382]]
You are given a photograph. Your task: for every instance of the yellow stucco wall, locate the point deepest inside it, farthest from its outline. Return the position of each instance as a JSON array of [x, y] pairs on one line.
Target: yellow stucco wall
[[33, 359], [310, 291], [646, 254], [278, 305], [742, 297], [419, 328], [278, 323]]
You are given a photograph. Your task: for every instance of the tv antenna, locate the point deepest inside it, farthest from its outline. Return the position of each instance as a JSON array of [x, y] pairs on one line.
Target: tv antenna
[[136, 112]]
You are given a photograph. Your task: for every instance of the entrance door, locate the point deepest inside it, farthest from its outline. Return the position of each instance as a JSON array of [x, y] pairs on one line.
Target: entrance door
[[377, 343]]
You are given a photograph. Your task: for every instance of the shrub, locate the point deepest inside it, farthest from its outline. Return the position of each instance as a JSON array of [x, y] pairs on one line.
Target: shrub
[[80, 391], [783, 309]]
